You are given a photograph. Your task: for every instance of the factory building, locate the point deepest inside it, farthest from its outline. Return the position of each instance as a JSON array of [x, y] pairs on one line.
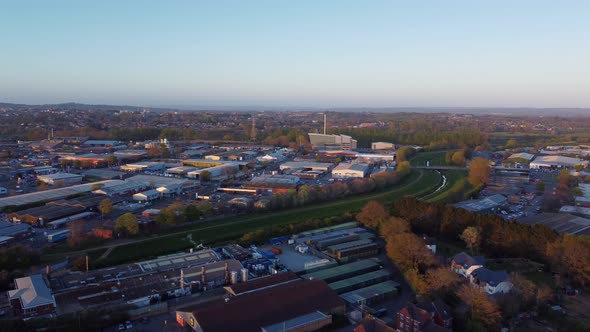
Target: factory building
[[332, 142], [272, 307], [553, 162], [360, 281], [341, 272], [147, 166], [355, 249], [60, 179], [349, 170], [372, 293], [382, 146], [147, 196], [306, 165]]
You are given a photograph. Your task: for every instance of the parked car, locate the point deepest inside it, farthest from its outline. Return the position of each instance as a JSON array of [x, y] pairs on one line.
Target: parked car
[[128, 325]]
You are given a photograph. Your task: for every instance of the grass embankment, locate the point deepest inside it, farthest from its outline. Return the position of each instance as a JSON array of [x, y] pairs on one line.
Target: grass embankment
[[418, 183], [442, 196], [436, 158]]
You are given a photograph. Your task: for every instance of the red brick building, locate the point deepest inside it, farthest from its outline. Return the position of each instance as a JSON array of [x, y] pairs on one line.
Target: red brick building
[[32, 297]]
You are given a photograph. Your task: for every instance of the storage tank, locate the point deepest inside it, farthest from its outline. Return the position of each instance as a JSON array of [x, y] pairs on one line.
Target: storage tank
[[233, 277], [244, 275]]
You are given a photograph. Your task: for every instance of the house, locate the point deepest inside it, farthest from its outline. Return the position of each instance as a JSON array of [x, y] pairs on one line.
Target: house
[[492, 282], [31, 297], [412, 318], [372, 324], [464, 264], [430, 243], [440, 312]]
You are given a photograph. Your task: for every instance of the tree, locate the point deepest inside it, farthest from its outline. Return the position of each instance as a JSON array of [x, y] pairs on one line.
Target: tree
[[105, 207], [479, 171], [403, 168], [127, 223], [482, 308], [192, 213], [511, 144], [458, 158], [441, 280], [205, 208], [205, 176], [393, 226], [404, 153], [372, 214], [409, 252], [540, 186], [577, 191], [77, 233], [525, 289], [570, 256], [471, 237]]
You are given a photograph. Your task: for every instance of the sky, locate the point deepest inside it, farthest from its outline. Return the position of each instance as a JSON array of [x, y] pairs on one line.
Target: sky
[[304, 53]]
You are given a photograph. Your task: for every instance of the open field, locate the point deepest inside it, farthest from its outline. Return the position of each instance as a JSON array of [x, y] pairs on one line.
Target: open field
[[418, 183], [436, 158]]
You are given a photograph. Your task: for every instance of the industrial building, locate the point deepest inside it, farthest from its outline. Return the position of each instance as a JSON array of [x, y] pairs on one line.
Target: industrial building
[[375, 157], [61, 179], [355, 249], [103, 174], [382, 146], [31, 297], [332, 142], [553, 162], [341, 272], [266, 308], [372, 293], [147, 196], [483, 205], [350, 170], [561, 222], [53, 194], [146, 166], [360, 281], [121, 189], [306, 165], [274, 183]]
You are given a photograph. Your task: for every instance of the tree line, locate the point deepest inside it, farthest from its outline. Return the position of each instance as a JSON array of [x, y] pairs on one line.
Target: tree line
[[310, 194]]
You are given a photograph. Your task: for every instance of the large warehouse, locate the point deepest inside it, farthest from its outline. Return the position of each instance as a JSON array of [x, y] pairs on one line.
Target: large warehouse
[[552, 162], [332, 142], [261, 308], [349, 170], [62, 179]]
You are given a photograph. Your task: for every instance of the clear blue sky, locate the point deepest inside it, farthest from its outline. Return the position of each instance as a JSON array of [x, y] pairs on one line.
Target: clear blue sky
[[297, 53]]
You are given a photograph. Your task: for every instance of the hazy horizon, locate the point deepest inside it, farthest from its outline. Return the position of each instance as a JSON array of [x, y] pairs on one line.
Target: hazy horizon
[[305, 54]]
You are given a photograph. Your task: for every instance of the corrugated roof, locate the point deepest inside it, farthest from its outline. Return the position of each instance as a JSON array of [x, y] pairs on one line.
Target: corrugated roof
[[363, 294], [342, 269]]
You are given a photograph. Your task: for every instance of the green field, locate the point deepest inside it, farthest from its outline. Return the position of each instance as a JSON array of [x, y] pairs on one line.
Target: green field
[[453, 176], [436, 158], [418, 183]]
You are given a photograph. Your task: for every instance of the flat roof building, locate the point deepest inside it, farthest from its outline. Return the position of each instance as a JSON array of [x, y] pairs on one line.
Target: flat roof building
[[332, 142], [350, 170], [265, 307], [32, 297], [557, 162], [60, 179], [310, 165]]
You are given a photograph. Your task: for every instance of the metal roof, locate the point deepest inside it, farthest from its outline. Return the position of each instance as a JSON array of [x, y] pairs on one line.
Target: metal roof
[[53, 194], [341, 269], [352, 244], [363, 294], [32, 292], [295, 322], [360, 279]]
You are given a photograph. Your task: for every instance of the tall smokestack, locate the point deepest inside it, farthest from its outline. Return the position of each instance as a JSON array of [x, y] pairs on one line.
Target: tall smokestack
[[325, 122]]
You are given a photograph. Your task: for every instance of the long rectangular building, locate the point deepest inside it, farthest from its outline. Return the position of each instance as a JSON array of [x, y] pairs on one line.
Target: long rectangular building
[[345, 271], [372, 293], [360, 281]]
